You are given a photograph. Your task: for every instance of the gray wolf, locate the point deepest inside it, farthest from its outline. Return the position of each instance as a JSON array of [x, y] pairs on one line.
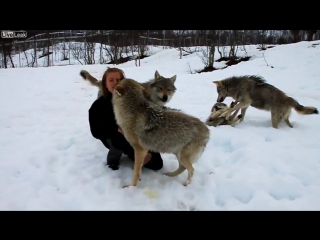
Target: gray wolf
[[216, 120], [148, 126], [250, 90], [161, 89]]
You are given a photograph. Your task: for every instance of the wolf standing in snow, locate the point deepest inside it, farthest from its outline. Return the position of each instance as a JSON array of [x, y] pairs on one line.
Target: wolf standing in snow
[[160, 89], [254, 91], [148, 126]]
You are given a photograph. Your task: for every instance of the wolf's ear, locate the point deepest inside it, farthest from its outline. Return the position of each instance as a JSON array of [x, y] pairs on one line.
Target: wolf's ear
[[156, 75], [119, 90], [218, 83], [173, 79]]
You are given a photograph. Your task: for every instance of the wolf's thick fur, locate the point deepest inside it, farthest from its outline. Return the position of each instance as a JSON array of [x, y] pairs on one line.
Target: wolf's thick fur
[[219, 108], [93, 81], [148, 126], [254, 91], [160, 89]]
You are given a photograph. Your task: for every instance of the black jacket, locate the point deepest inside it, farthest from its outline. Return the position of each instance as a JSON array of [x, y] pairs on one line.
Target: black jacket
[[103, 125]]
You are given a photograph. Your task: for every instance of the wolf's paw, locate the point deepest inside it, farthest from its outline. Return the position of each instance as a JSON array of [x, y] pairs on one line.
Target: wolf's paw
[[186, 183], [126, 186]]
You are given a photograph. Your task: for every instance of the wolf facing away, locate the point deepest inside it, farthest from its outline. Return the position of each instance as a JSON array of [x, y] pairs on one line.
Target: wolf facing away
[[254, 91], [148, 126], [216, 120], [160, 89]]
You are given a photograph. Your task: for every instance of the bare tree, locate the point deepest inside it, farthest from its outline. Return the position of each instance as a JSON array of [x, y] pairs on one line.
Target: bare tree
[[142, 46], [35, 52], [7, 51], [65, 50], [310, 34], [101, 59], [77, 51], [207, 56], [4, 54], [32, 52], [295, 35], [221, 48], [261, 36], [202, 36], [180, 35], [56, 47], [89, 49], [134, 48], [115, 50], [233, 41], [114, 53], [25, 53], [33, 58], [48, 51], [212, 41]]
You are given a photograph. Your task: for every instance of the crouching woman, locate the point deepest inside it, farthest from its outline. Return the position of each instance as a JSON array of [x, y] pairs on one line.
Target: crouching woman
[[103, 125]]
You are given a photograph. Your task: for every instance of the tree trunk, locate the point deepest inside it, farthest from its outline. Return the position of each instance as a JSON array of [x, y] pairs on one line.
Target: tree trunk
[[310, 34], [4, 54], [48, 45]]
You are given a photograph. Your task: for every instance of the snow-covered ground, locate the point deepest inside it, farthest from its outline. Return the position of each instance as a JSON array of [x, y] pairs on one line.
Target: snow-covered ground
[[50, 161]]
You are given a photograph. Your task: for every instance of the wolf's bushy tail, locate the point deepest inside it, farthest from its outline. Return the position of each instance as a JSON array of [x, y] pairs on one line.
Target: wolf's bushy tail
[[304, 110], [87, 76]]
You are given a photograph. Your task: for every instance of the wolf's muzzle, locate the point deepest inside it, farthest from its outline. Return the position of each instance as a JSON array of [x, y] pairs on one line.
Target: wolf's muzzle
[[164, 98]]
